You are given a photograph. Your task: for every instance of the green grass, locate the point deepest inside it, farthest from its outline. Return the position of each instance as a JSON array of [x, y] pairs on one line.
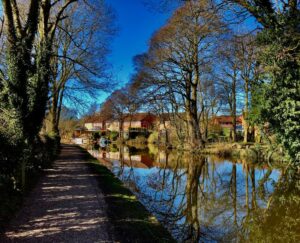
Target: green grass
[[131, 221]]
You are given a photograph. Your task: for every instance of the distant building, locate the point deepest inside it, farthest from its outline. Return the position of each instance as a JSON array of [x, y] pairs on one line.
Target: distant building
[[226, 122], [95, 123], [165, 124], [139, 121], [112, 125], [134, 121]]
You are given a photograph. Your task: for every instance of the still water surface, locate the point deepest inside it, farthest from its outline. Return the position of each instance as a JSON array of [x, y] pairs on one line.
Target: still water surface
[[210, 199]]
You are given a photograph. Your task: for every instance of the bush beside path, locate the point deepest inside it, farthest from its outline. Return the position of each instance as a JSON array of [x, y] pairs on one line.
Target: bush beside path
[[65, 206]]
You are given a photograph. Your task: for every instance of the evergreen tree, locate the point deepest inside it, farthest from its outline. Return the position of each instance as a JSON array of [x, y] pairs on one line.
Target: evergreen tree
[[280, 44]]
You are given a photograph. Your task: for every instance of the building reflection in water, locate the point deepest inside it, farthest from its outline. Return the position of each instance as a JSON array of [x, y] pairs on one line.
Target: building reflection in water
[[210, 199]]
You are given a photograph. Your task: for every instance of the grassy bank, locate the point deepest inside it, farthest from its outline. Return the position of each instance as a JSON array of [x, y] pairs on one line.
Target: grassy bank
[[247, 151], [131, 221]]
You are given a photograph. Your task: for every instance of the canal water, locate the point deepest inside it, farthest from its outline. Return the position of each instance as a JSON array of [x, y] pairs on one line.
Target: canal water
[[210, 199]]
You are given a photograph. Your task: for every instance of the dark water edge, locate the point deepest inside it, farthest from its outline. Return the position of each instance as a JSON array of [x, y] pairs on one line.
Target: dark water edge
[[210, 199]]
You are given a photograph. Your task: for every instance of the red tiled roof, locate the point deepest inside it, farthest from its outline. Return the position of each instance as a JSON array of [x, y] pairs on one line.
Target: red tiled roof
[[227, 119], [170, 116], [94, 119], [138, 116]]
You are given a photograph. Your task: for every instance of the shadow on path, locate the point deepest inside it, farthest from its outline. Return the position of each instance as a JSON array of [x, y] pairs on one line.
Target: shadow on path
[[65, 206]]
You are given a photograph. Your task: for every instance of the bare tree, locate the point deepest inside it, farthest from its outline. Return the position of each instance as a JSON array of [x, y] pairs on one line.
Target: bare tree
[[229, 79], [249, 71], [79, 66], [122, 104], [236, 72], [178, 58], [115, 108]]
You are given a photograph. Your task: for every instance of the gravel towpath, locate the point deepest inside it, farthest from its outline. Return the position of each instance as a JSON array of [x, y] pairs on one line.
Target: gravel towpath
[[65, 206]]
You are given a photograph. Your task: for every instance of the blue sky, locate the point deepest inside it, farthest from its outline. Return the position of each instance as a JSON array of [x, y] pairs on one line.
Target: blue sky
[[136, 25]]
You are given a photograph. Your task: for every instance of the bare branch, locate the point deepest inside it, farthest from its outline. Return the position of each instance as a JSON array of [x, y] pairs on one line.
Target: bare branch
[[16, 16], [58, 17], [8, 15], [32, 21]]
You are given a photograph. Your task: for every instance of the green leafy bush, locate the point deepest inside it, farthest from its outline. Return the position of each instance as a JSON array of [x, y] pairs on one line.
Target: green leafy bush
[[153, 138], [20, 167], [113, 135]]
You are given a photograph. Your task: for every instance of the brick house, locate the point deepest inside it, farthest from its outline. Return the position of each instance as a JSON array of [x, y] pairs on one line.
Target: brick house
[[139, 121], [95, 123], [135, 121], [226, 122]]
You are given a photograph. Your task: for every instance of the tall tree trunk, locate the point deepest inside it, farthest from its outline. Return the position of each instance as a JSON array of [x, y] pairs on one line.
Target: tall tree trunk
[[233, 114], [60, 103], [121, 136], [195, 138], [205, 123], [166, 133], [54, 109], [192, 85], [246, 112]]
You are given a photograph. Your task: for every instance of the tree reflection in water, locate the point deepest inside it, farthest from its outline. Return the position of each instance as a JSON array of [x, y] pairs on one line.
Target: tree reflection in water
[[280, 220], [193, 204], [209, 199]]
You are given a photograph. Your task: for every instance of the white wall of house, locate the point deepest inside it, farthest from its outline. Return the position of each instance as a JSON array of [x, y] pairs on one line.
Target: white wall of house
[[92, 126], [88, 126], [112, 126], [98, 124], [165, 125], [78, 141], [133, 124]]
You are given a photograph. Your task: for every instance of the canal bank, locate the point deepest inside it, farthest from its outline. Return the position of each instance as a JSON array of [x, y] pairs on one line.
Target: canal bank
[[257, 153], [131, 221]]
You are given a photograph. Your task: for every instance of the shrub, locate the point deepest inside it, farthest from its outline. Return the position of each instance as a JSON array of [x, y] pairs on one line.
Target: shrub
[[153, 138], [95, 136], [140, 139], [113, 135], [135, 132], [20, 167]]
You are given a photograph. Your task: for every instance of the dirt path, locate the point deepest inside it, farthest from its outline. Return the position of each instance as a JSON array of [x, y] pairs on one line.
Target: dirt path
[[66, 206]]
